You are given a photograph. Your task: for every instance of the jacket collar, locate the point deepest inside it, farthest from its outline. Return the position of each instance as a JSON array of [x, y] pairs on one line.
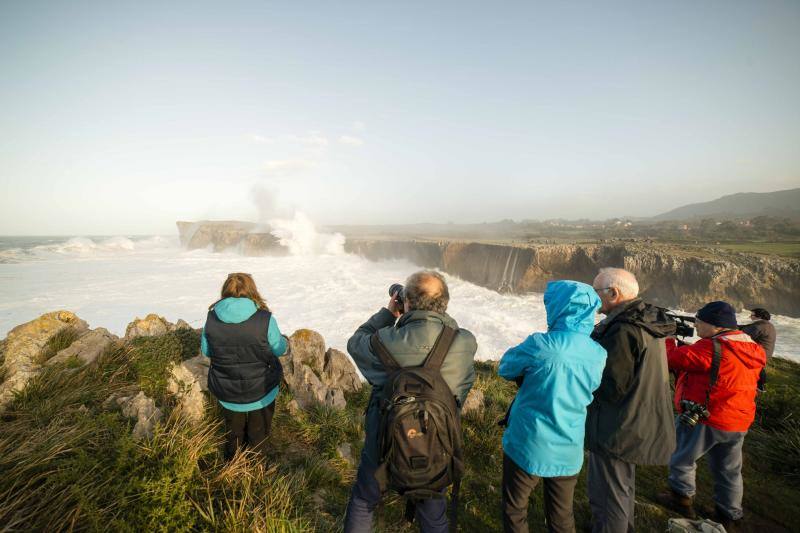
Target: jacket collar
[[615, 313], [426, 316]]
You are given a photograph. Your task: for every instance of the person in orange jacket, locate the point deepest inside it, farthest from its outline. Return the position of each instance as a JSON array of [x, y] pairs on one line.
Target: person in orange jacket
[[715, 393]]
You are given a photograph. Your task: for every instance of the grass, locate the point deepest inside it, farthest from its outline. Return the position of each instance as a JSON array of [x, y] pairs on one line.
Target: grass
[[67, 462], [60, 341], [786, 249]]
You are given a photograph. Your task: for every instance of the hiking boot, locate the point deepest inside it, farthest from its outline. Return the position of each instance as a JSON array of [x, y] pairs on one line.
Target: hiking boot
[[677, 502], [726, 521]]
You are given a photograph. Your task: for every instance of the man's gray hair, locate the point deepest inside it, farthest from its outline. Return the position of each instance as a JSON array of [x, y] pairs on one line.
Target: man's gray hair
[[427, 291], [620, 279]]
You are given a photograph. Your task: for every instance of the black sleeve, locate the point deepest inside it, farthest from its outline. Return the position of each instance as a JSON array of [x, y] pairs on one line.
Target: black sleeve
[[622, 343]]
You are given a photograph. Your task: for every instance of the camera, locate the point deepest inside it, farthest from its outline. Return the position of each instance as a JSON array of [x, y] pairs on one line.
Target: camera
[[692, 413], [682, 324], [397, 288]]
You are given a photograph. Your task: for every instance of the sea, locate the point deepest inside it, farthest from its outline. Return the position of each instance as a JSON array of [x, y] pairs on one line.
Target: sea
[[109, 281]]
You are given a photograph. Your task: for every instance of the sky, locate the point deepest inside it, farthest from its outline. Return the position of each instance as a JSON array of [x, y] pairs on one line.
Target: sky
[[123, 117]]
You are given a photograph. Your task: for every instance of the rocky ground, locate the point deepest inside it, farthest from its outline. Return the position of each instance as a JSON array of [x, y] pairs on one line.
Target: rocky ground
[[100, 433]]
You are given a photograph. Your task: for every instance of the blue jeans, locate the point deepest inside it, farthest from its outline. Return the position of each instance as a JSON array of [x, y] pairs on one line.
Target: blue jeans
[[724, 449]]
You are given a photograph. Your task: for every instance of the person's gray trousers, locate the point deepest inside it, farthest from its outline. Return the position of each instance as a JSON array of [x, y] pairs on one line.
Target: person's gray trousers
[[612, 493], [516, 490], [724, 449]]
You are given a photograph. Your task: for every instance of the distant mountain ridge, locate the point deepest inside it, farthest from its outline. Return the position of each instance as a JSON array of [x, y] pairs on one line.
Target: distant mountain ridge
[[743, 204]]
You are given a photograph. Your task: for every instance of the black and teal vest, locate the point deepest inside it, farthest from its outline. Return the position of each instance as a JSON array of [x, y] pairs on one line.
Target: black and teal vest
[[243, 367]]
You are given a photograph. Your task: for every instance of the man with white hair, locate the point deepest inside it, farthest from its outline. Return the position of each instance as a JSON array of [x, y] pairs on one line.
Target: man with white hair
[[630, 420]]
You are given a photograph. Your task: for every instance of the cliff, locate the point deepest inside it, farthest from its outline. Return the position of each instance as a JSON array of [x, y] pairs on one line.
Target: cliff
[[677, 277], [246, 237], [682, 277]]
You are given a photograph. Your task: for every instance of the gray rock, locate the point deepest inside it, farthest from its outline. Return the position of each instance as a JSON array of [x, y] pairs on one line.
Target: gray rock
[[149, 326], [87, 348], [293, 407], [335, 398], [144, 410], [187, 382], [306, 386], [308, 348], [182, 324], [474, 402], [339, 372], [345, 451], [23, 348]]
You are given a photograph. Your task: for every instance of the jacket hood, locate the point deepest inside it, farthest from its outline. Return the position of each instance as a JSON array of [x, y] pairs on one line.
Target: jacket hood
[[235, 310], [652, 319], [744, 348], [571, 306]]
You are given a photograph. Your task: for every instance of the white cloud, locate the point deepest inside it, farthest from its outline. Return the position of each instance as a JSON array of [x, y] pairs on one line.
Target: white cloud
[[359, 125], [261, 139], [312, 138], [350, 140], [287, 167]]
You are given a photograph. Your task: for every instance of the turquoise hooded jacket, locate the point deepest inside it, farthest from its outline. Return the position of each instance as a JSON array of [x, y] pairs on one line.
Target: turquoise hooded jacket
[[234, 311], [561, 370]]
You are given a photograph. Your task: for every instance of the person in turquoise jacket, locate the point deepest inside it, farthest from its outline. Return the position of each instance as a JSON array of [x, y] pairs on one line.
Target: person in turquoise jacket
[[557, 372], [243, 342]]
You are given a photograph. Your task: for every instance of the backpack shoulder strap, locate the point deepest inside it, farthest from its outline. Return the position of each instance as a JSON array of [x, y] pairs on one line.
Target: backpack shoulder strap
[[379, 349], [714, 371], [440, 348]]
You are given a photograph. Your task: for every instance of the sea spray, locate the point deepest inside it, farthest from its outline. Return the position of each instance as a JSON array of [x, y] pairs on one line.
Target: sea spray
[[301, 237]]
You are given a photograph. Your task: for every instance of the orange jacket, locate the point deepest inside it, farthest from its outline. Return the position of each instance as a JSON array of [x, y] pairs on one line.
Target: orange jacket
[[732, 400]]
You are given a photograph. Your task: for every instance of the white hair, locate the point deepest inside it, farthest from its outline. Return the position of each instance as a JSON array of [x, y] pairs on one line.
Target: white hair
[[619, 278]]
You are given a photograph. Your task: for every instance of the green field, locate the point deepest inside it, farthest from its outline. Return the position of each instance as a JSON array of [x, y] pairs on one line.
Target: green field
[[67, 462]]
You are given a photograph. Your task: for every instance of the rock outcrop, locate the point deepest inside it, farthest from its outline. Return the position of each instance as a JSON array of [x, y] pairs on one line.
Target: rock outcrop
[[24, 345], [187, 382], [245, 237], [149, 326], [474, 402], [87, 348], [317, 376], [668, 275], [144, 410]]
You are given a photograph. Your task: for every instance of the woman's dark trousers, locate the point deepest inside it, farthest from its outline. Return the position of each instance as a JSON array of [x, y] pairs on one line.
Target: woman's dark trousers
[[247, 429], [517, 488]]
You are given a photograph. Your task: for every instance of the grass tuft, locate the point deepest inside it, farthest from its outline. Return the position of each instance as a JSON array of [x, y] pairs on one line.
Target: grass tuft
[[60, 341]]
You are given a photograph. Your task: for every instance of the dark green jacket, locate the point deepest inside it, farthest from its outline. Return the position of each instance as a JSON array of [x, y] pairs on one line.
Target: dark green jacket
[[410, 341], [631, 416]]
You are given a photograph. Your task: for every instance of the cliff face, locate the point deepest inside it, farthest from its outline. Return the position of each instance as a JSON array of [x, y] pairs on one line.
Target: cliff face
[[246, 237], [668, 276]]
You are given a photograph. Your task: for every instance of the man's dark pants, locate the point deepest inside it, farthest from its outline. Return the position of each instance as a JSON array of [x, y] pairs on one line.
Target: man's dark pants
[[612, 493], [366, 494], [516, 490], [247, 429]]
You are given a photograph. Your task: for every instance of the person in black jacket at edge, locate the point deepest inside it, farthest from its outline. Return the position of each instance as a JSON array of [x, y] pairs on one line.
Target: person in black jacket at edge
[[630, 421], [763, 333]]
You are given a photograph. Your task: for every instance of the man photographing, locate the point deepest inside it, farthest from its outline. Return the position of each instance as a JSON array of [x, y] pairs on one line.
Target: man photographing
[[763, 333], [418, 337], [715, 393]]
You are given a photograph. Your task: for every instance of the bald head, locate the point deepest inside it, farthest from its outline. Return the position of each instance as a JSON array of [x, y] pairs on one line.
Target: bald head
[[615, 286], [426, 291]]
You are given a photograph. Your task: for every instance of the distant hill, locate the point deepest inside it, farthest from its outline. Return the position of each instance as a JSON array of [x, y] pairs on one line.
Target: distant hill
[[743, 204]]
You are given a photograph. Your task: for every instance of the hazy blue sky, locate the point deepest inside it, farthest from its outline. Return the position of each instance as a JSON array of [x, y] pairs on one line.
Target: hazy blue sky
[[123, 119]]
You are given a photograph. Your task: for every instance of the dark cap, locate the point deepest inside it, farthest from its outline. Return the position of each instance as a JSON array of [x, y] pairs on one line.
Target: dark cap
[[760, 312], [720, 314]]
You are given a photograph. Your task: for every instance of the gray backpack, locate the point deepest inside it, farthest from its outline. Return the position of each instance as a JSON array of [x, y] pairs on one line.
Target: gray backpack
[[420, 439]]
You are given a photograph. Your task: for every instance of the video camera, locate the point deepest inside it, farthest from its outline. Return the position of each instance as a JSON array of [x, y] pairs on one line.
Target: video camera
[[397, 289], [682, 326]]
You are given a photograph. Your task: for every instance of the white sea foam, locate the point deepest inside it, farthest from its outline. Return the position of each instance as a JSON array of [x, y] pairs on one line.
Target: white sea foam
[[108, 282]]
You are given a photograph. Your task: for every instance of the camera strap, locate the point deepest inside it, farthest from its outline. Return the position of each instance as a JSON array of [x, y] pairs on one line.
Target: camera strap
[[714, 373]]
